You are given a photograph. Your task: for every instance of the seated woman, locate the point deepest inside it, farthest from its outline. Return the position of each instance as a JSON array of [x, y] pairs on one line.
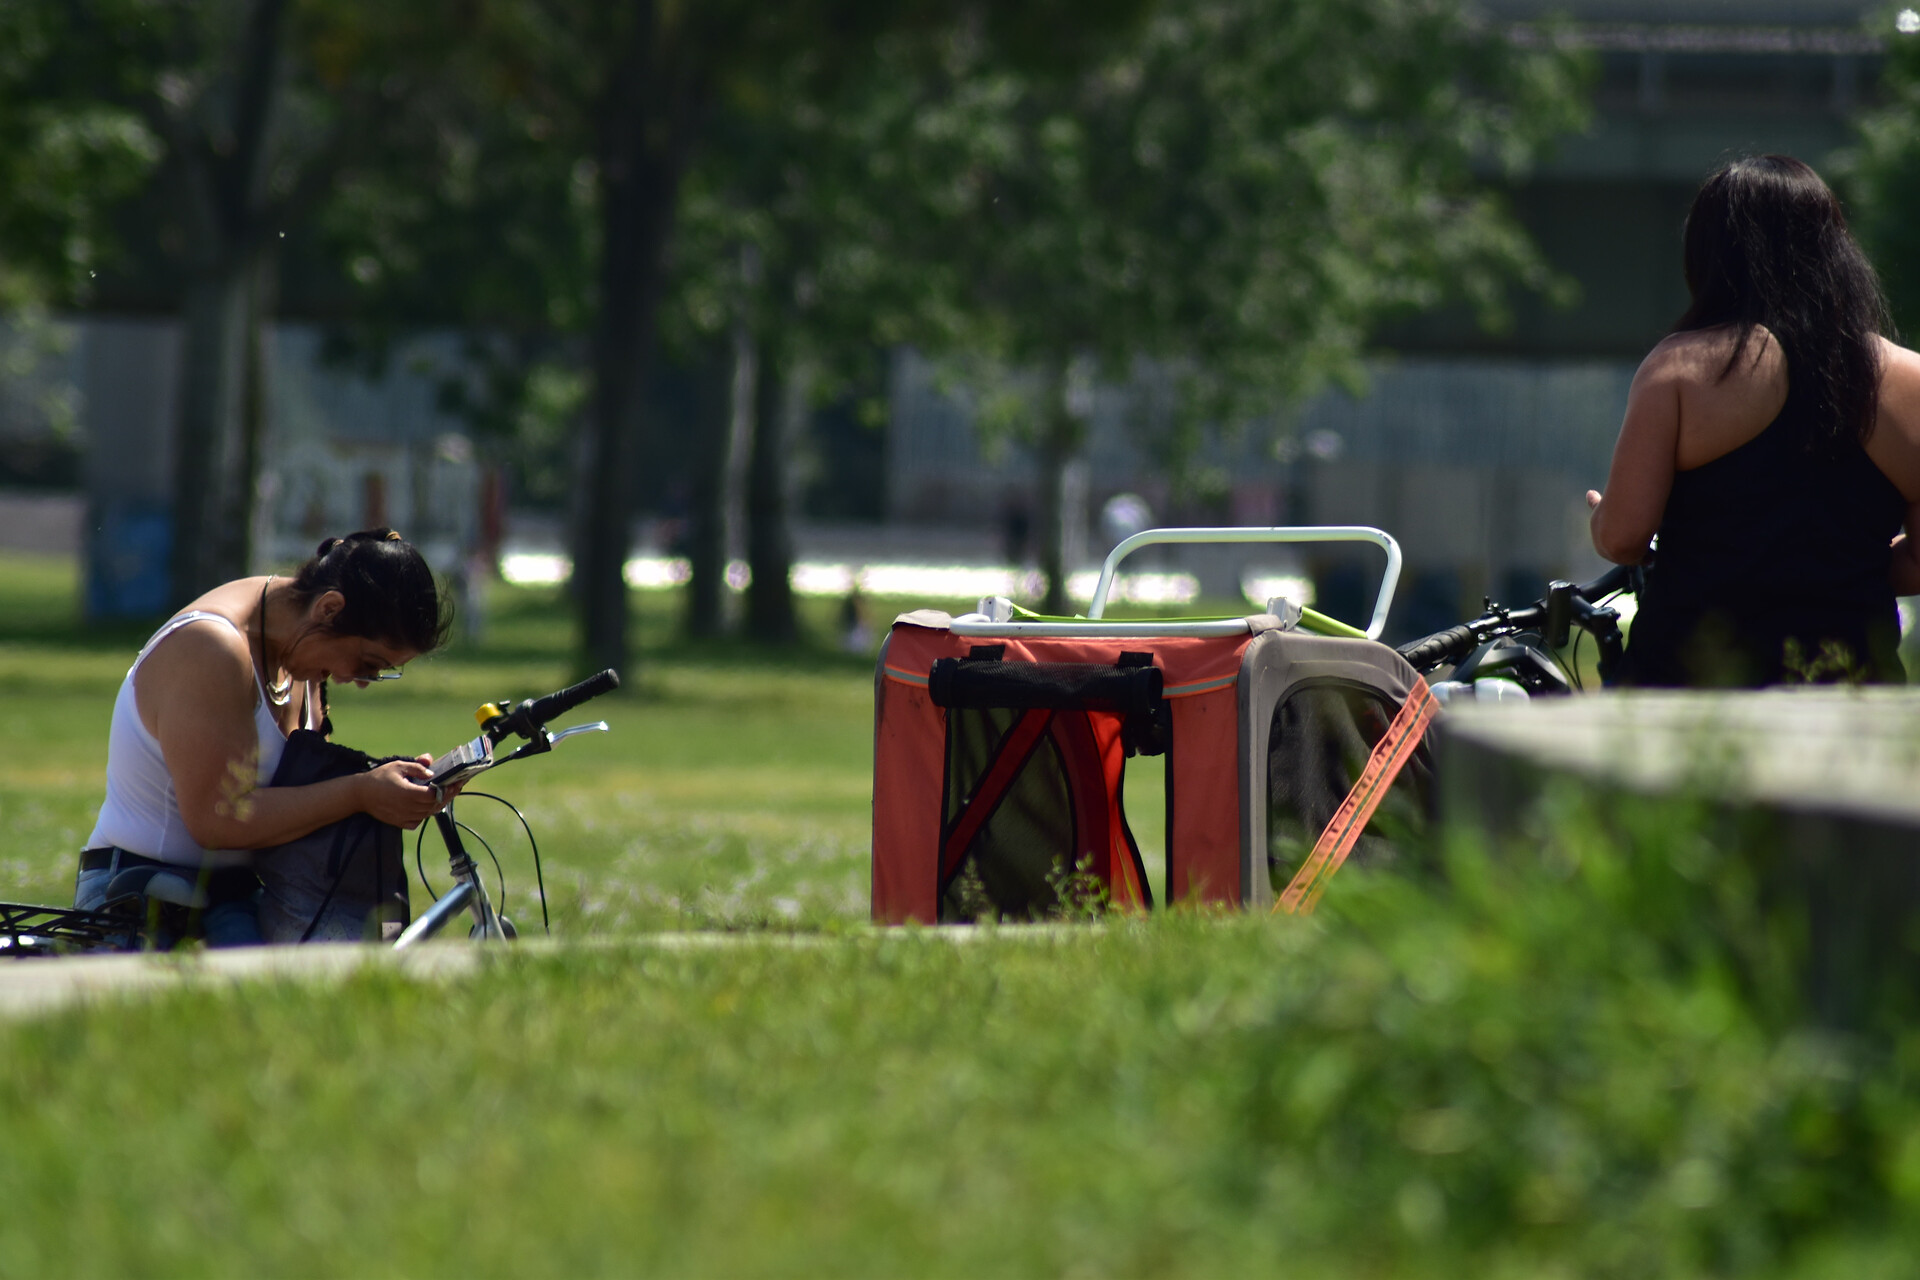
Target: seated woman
[[202, 719], [1772, 441]]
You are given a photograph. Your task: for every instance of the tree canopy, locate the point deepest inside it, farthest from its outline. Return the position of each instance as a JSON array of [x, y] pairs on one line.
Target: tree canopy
[[1239, 192], [1882, 177]]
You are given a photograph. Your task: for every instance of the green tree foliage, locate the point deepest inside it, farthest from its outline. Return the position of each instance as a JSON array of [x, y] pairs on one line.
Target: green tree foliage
[[563, 163], [807, 247], [255, 105], [1882, 176], [475, 209], [652, 81], [64, 156], [1240, 194]]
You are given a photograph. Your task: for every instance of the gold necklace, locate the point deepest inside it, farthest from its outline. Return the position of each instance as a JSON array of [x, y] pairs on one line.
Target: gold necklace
[[277, 694]]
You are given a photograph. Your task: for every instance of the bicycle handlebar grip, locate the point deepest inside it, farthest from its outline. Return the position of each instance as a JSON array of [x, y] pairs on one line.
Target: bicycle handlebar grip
[[1441, 646], [528, 717], [1618, 578]]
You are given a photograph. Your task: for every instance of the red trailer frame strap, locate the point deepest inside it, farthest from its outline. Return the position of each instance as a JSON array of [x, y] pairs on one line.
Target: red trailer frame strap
[[1015, 749], [1390, 755]]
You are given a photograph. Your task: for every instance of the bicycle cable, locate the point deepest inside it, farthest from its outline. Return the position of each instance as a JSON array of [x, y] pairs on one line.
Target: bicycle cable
[[538, 876], [419, 869], [499, 873]]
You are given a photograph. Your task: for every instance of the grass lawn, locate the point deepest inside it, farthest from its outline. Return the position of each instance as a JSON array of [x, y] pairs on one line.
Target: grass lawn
[[733, 789], [1589, 1064]]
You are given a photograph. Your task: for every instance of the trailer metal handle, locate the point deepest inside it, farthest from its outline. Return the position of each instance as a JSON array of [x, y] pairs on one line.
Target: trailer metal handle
[[1279, 533]]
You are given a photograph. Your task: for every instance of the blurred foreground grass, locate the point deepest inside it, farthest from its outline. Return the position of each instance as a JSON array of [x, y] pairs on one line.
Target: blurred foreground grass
[[1590, 1064], [1590, 1060]]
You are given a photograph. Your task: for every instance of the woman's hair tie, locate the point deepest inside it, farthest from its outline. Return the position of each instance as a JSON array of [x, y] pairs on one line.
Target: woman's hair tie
[[393, 535]]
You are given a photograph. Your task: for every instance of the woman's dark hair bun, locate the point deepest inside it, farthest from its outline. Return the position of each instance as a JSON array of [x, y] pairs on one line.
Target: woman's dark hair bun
[[389, 591]]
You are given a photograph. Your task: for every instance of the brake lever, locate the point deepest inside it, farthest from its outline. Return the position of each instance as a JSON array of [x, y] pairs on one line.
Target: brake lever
[[598, 726]]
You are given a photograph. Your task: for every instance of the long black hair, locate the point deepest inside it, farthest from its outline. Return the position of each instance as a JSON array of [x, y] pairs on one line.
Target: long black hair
[[388, 588], [1767, 244]]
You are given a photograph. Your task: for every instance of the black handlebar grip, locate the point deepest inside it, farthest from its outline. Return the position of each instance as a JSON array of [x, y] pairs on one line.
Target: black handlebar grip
[[527, 718], [1618, 578], [1441, 646]]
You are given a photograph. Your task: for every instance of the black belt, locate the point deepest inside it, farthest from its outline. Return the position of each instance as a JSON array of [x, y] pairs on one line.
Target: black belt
[[101, 859], [223, 884]]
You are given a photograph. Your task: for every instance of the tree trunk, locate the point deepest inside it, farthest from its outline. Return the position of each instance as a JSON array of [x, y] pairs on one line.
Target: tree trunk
[[1061, 439], [770, 612], [646, 130], [222, 367], [209, 535], [716, 491], [622, 341]]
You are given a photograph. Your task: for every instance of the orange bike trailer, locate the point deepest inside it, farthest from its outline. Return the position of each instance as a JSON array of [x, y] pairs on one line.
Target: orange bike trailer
[[1000, 747]]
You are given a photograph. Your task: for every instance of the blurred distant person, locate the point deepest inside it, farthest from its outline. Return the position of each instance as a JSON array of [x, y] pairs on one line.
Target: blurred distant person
[[1016, 532], [1122, 516], [856, 634], [1772, 442]]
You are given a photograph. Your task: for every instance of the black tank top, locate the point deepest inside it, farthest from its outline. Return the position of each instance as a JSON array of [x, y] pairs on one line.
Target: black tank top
[[1769, 557]]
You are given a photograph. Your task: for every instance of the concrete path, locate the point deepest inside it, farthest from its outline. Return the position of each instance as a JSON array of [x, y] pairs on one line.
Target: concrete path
[[43, 984], [37, 985]]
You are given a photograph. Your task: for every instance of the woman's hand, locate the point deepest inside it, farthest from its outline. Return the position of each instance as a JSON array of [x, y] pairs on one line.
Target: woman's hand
[[397, 792]]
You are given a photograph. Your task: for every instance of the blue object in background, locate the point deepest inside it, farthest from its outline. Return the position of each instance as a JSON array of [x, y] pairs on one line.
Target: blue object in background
[[129, 548]]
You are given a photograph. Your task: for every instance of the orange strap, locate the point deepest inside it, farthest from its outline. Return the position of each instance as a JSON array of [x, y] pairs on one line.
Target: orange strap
[[1389, 756]]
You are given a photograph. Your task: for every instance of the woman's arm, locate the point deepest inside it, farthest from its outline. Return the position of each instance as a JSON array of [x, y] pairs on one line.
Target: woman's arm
[[1625, 519], [195, 694], [1904, 574]]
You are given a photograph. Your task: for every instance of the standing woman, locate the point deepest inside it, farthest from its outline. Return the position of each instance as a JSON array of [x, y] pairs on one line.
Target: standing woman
[[203, 715], [1772, 441]]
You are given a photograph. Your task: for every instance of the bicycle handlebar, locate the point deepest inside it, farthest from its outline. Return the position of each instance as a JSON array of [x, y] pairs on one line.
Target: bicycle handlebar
[[1565, 604], [530, 717], [1431, 651]]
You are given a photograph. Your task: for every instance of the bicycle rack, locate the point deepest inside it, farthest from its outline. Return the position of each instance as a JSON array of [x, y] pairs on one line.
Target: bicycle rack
[[26, 929]]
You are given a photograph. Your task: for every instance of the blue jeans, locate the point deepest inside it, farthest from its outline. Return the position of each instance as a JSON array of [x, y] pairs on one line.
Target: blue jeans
[[226, 924]]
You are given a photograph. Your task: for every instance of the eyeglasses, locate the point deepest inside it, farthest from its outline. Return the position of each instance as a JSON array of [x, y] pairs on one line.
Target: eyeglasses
[[385, 673]]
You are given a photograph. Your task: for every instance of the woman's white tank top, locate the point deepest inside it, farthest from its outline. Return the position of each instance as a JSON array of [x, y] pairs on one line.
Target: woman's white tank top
[[142, 813]]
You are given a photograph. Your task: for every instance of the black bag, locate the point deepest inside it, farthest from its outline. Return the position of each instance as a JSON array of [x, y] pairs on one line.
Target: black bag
[[347, 881]]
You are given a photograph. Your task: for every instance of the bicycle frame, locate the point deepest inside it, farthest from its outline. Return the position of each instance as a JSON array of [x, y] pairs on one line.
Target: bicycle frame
[[469, 891]]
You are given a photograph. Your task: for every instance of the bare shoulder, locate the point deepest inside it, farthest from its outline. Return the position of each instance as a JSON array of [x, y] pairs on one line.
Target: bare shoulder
[[1705, 358], [203, 662], [1894, 444], [1899, 390], [1899, 366]]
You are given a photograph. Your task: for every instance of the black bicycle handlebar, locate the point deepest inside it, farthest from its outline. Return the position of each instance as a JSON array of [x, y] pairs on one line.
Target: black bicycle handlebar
[[1557, 610], [1435, 649], [530, 717]]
